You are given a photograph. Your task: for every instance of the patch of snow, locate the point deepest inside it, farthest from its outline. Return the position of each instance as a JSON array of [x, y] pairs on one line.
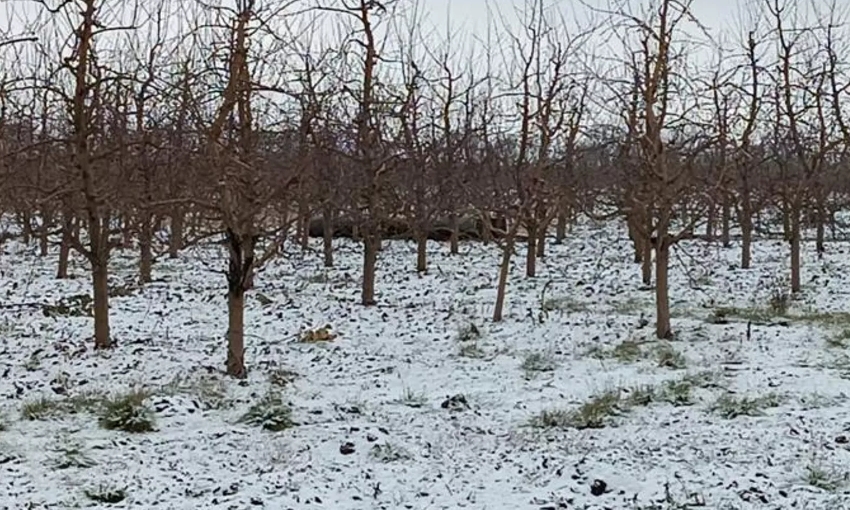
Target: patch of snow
[[382, 380]]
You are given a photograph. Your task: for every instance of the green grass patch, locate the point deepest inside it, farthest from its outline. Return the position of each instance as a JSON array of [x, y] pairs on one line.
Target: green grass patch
[[269, 413], [42, 408], [632, 306], [414, 399], [627, 351], [389, 452], [668, 357], [563, 304], [729, 406], [128, 412], [755, 315], [826, 479], [537, 362], [840, 340], [594, 414]]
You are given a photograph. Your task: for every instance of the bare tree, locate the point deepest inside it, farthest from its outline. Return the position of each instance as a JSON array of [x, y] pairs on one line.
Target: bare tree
[[369, 159], [244, 182], [92, 184], [667, 147]]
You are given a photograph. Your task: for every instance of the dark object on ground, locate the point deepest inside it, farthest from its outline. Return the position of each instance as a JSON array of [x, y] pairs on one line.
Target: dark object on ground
[[346, 448], [455, 403], [598, 487], [469, 228]]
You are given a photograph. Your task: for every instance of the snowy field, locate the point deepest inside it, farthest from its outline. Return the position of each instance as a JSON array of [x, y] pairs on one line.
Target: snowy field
[[422, 402]]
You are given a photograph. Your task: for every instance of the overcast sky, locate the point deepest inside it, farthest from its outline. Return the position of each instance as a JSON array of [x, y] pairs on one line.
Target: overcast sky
[[472, 14]]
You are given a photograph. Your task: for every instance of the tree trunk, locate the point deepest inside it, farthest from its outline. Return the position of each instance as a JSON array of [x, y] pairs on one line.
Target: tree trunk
[[44, 232], [561, 227], [541, 237], [146, 248], [328, 236], [100, 282], [236, 332], [635, 237], [820, 218], [26, 226], [371, 241], [531, 252], [710, 221], [746, 232], [240, 272], [833, 226], [175, 241], [794, 234], [786, 222], [455, 234], [126, 232], [304, 225], [504, 270], [486, 229], [662, 294], [421, 251], [65, 246], [646, 263], [726, 220]]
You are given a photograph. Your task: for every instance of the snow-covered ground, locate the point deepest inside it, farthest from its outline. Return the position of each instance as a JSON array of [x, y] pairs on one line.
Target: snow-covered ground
[[374, 425]]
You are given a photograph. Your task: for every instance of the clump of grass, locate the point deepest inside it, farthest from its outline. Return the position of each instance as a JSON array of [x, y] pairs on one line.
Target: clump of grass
[[630, 306], [596, 412], [411, 398], [564, 304], [641, 396], [128, 412], [593, 414], [41, 408], [553, 418], [535, 362], [269, 413], [779, 300], [106, 494], [282, 377], [668, 357], [678, 393], [839, 341], [80, 305], [729, 406], [389, 452], [32, 363], [827, 479], [596, 352], [826, 319], [318, 278], [840, 363], [818, 401], [212, 392], [704, 379], [627, 351], [72, 455], [123, 289], [468, 332], [471, 350], [754, 315], [85, 402]]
